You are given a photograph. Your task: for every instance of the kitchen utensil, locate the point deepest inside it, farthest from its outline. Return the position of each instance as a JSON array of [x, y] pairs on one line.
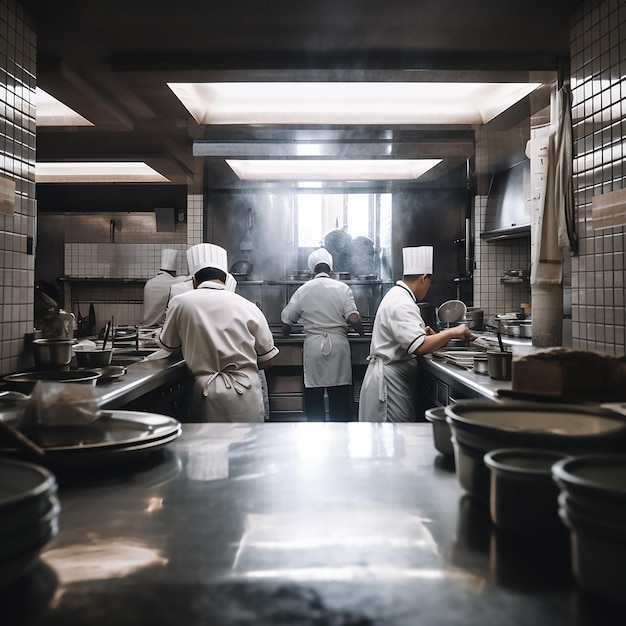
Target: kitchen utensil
[[481, 364], [598, 551], [52, 352], [523, 496], [451, 311], [242, 267], [25, 381], [12, 436], [499, 364], [441, 430], [107, 331], [115, 435], [93, 358], [595, 483], [480, 426], [91, 326]]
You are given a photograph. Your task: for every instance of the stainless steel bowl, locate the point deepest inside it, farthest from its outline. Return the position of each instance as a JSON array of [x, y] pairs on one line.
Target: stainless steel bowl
[[94, 358], [52, 352]]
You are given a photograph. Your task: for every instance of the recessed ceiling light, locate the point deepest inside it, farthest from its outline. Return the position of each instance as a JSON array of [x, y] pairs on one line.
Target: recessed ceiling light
[[331, 169], [97, 173], [348, 103], [52, 112]]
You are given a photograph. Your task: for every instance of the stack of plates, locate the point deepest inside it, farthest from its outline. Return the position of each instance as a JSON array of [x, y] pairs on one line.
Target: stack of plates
[[114, 436], [29, 510]]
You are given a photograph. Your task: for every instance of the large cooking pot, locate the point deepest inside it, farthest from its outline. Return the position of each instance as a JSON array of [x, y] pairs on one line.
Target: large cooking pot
[[52, 352]]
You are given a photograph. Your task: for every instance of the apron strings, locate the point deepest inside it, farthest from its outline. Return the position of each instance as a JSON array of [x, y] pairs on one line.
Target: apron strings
[[239, 381], [380, 371]]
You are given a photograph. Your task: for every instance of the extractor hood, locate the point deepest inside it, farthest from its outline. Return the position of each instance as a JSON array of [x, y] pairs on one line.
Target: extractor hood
[[508, 204]]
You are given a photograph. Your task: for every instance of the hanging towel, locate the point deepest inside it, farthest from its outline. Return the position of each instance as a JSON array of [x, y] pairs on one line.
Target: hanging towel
[[553, 223], [563, 178]]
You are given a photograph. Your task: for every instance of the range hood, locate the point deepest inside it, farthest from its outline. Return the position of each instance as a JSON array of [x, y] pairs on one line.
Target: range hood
[[508, 204]]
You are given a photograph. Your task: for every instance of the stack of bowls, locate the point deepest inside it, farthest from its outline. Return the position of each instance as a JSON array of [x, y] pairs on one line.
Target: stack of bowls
[[593, 506], [29, 511], [481, 426]]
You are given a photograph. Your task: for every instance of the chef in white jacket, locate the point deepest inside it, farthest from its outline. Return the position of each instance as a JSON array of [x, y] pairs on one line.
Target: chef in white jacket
[[225, 340], [399, 335], [156, 290], [326, 307]]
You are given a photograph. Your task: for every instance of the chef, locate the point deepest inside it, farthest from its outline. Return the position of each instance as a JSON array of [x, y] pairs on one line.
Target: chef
[[326, 307], [399, 335], [225, 340], [156, 290]]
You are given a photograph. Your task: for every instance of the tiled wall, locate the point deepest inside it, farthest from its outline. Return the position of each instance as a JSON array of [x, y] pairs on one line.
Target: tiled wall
[[129, 258], [491, 261], [17, 163], [598, 80]]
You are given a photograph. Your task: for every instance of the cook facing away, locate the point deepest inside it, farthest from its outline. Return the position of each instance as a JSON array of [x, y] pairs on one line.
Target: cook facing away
[[156, 290], [325, 306], [225, 340], [399, 335]]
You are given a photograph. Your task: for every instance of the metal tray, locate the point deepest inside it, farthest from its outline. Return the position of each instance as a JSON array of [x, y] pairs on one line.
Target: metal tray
[[114, 434]]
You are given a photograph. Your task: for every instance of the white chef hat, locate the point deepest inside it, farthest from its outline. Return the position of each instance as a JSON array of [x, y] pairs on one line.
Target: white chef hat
[[168, 259], [417, 260], [206, 255], [320, 256]]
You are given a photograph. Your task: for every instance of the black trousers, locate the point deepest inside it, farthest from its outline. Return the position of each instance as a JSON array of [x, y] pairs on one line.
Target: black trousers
[[339, 403]]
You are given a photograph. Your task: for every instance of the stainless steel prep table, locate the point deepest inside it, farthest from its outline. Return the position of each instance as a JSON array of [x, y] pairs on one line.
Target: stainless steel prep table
[[473, 385], [291, 524], [140, 378]]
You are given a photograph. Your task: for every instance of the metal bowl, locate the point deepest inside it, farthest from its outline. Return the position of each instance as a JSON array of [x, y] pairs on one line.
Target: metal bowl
[[25, 381], [93, 358], [52, 352]]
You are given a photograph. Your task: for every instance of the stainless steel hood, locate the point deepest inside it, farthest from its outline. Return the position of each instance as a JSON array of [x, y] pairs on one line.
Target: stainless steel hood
[[508, 204]]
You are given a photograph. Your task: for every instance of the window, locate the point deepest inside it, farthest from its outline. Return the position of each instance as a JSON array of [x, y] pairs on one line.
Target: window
[[318, 214]]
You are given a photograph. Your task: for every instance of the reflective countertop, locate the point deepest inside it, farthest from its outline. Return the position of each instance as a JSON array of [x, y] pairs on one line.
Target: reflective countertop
[[325, 524]]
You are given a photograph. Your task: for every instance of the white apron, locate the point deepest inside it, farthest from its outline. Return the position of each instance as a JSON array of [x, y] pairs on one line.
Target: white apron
[[388, 391], [326, 359], [230, 395]]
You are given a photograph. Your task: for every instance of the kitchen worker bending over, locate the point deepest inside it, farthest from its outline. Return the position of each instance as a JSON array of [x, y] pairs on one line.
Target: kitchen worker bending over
[[225, 340], [326, 307], [156, 290], [399, 335]]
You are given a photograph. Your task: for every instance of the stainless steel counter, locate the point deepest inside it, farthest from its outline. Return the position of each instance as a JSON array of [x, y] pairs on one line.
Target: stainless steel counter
[[478, 385], [139, 379], [291, 524]]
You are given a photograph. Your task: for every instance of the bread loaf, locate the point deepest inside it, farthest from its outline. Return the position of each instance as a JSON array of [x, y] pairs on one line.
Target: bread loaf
[[570, 373]]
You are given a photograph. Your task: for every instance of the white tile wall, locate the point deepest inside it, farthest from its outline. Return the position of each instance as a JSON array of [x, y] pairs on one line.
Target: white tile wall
[[17, 161]]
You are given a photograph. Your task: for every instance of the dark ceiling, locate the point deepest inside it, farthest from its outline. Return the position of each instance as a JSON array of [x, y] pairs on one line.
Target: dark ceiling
[[111, 61]]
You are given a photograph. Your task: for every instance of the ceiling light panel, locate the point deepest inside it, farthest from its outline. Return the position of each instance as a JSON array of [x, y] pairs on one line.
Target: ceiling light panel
[[332, 169], [52, 112], [348, 103], [130, 172]]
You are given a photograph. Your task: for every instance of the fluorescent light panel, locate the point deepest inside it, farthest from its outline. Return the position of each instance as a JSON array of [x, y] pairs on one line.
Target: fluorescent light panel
[[129, 172], [331, 169], [52, 112], [348, 103]]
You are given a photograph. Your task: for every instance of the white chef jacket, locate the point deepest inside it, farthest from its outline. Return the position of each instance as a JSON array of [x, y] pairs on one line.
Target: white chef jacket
[[222, 337], [389, 385], [155, 296], [324, 305]]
